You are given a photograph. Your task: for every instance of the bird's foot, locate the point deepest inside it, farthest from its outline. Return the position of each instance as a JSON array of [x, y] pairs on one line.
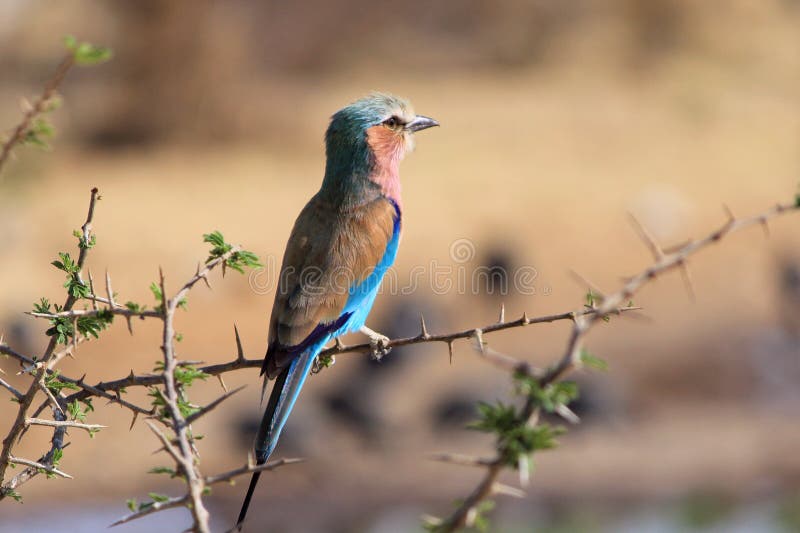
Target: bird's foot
[[379, 344]]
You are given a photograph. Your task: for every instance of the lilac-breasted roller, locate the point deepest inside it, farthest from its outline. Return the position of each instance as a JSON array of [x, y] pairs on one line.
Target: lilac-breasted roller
[[342, 243]]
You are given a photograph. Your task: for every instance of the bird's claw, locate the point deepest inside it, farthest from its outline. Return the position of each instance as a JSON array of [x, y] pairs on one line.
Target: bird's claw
[[379, 344]]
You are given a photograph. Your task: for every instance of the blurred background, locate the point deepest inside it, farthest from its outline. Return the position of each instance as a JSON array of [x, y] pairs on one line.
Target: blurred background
[[558, 118]]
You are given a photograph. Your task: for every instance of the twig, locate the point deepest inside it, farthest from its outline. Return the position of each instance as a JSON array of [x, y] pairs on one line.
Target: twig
[[583, 322], [153, 507], [25, 402], [37, 109], [34, 464], [249, 469], [65, 423]]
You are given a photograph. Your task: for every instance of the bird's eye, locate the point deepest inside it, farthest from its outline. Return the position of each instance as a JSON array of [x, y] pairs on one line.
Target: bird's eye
[[392, 122]]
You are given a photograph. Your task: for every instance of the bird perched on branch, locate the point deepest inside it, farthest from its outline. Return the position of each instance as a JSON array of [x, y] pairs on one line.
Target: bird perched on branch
[[341, 245]]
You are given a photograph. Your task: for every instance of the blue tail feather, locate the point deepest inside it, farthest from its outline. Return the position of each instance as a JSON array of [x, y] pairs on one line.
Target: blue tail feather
[[281, 401]]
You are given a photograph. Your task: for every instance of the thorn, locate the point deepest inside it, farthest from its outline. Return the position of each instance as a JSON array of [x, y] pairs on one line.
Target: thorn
[[687, 280], [500, 488], [80, 381], [462, 460], [581, 280], [338, 344], [111, 303], [765, 227], [133, 421], [163, 289], [478, 334], [204, 277], [52, 398], [568, 414], [239, 350], [423, 330], [731, 217], [502, 318], [525, 319], [131, 376], [130, 326], [74, 334], [91, 289], [222, 382], [524, 469], [472, 514], [450, 349], [646, 237]]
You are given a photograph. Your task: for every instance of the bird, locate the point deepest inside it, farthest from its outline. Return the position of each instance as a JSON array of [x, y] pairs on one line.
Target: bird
[[341, 245]]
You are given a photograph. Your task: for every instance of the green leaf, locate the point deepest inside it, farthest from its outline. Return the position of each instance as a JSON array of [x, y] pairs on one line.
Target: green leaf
[[494, 418], [549, 397], [237, 261], [481, 522], [55, 385], [66, 263], [43, 306], [91, 326], [77, 288], [592, 361], [156, 290], [544, 436], [156, 497], [591, 298], [76, 411], [134, 307], [82, 242], [13, 494], [87, 53], [132, 504], [326, 361], [58, 453], [186, 374], [39, 130], [163, 470]]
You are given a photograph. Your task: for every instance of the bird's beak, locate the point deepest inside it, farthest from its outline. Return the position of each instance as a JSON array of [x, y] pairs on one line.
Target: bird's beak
[[421, 123]]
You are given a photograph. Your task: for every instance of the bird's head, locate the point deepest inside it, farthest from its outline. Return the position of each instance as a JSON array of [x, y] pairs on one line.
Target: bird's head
[[370, 137]]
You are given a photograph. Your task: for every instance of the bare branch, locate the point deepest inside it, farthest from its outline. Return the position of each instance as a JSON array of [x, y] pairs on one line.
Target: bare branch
[[249, 469], [65, 423], [153, 507], [40, 466], [583, 322], [460, 459]]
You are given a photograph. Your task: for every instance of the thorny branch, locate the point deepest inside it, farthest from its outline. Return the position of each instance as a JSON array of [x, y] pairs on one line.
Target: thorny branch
[[467, 512], [180, 446], [41, 371]]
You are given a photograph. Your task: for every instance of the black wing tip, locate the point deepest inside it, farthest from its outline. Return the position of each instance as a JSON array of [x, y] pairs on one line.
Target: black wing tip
[[246, 504]]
